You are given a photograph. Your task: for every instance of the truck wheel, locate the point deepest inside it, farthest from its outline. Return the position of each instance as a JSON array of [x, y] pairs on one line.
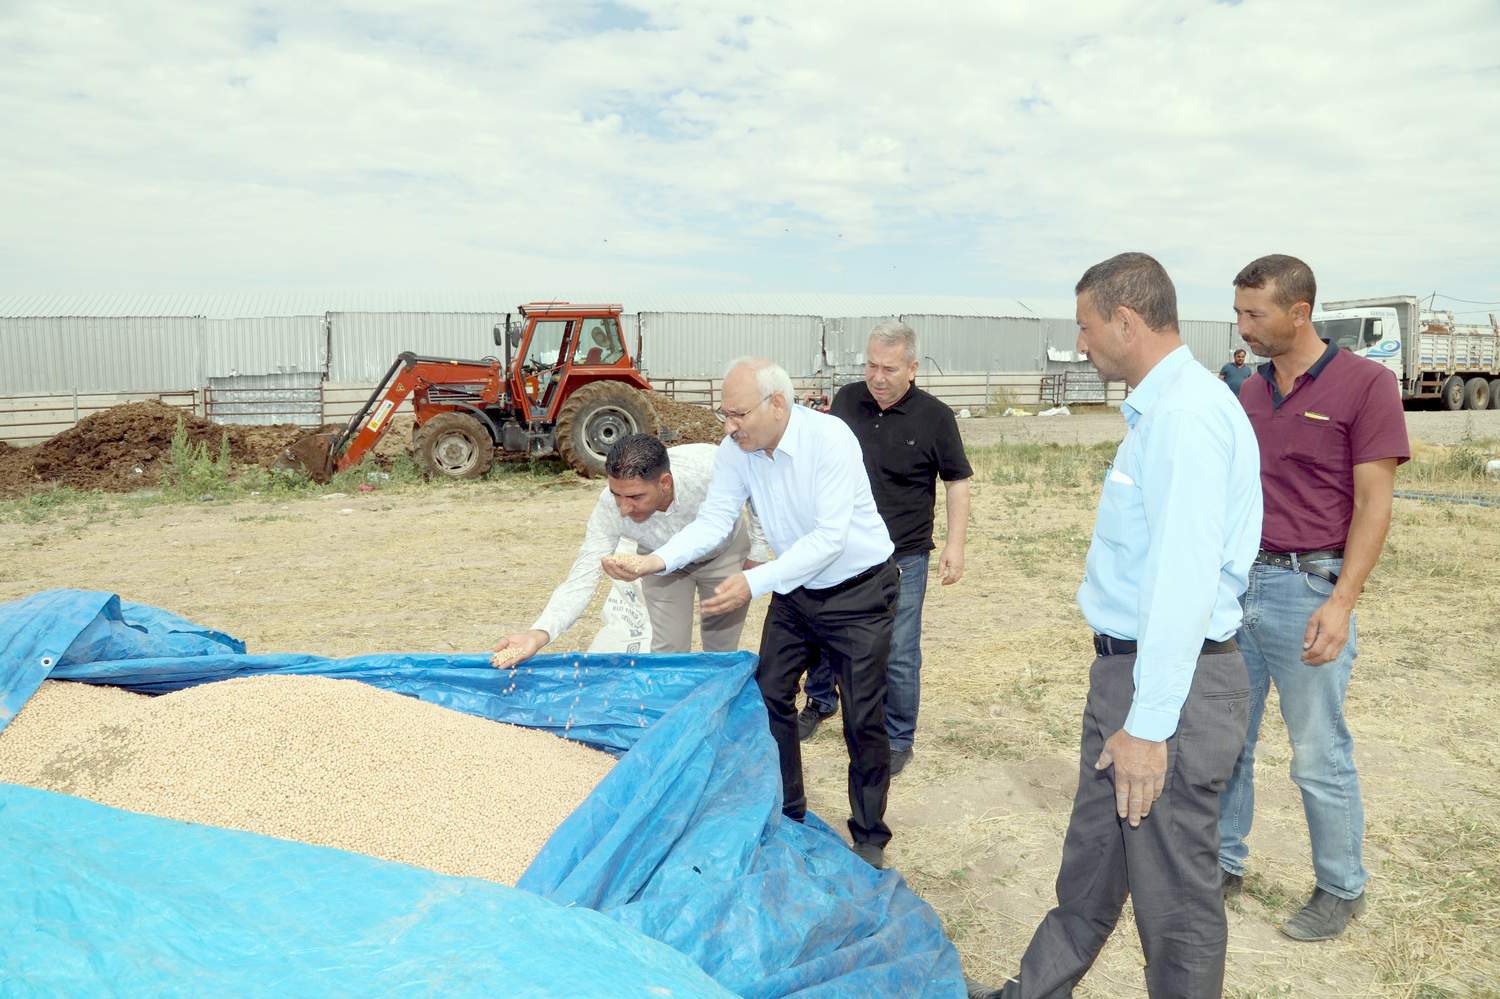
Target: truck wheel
[[1451, 395], [595, 417], [453, 446], [1495, 394], [1476, 394]]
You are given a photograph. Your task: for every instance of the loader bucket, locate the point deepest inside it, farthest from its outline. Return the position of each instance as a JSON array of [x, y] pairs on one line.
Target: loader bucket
[[312, 454]]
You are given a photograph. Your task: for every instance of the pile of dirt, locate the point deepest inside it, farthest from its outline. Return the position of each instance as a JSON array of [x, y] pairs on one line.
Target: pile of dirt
[[126, 447], [263, 445], [693, 424], [16, 474]]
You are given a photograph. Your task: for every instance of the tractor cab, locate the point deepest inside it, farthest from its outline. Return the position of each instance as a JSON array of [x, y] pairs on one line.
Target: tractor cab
[[558, 347]]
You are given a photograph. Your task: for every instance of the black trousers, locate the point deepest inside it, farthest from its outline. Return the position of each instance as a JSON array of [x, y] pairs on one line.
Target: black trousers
[[1169, 864], [851, 628]]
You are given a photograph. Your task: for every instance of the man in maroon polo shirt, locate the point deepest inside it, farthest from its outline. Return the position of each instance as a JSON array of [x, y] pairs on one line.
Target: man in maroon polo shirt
[[1331, 433]]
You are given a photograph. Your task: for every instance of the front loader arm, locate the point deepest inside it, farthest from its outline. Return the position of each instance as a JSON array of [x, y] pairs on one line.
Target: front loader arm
[[410, 373], [369, 424]]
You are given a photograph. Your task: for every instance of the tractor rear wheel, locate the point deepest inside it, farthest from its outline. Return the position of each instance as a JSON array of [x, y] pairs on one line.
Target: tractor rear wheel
[[453, 446], [595, 417]]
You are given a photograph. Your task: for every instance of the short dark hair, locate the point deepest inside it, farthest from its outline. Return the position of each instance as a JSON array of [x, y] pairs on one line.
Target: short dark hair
[[1136, 281], [639, 456], [1294, 280]]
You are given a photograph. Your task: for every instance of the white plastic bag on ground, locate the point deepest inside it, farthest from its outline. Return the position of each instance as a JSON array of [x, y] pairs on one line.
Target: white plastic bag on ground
[[627, 625]]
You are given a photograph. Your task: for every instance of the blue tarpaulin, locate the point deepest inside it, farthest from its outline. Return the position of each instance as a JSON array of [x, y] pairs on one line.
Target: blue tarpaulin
[[682, 845]]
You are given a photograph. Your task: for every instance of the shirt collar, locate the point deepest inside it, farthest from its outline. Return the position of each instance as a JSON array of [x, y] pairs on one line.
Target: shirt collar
[[1154, 384], [899, 404], [791, 438], [1268, 370], [1330, 351]]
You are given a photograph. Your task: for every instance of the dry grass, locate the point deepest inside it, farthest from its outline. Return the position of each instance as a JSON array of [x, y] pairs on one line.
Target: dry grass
[[980, 813]]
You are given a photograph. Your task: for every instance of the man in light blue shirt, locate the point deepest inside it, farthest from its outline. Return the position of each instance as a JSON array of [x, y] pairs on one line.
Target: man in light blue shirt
[[834, 582], [1177, 530]]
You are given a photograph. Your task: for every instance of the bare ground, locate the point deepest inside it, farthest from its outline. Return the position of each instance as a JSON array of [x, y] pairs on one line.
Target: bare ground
[[979, 815]]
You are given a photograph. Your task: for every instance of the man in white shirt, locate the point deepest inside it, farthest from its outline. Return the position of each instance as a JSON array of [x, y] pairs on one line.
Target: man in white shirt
[[834, 582], [652, 493]]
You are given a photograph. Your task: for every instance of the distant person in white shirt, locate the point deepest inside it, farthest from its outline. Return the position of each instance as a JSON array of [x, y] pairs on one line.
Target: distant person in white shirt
[[652, 493], [834, 583]]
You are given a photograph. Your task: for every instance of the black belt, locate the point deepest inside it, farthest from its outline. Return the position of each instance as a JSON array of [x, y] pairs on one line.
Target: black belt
[[1107, 645], [852, 581], [1298, 561]]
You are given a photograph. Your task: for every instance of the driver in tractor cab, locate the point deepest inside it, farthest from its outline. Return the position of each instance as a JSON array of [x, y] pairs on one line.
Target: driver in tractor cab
[[652, 493], [606, 349]]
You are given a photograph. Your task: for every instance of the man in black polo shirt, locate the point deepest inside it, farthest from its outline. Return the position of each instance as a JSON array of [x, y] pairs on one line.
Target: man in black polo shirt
[[909, 440]]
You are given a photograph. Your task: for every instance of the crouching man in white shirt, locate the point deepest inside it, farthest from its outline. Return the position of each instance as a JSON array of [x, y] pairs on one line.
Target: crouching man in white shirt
[[653, 493]]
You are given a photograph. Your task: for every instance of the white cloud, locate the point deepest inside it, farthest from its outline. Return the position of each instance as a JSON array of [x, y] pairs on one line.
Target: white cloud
[[970, 148]]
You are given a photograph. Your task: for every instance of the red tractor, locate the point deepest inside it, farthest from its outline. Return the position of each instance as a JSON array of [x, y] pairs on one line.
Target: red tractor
[[567, 386]]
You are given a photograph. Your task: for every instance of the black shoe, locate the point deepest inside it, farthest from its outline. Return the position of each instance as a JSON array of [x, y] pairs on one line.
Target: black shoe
[[808, 720], [899, 759], [870, 854], [1323, 917], [1234, 884]]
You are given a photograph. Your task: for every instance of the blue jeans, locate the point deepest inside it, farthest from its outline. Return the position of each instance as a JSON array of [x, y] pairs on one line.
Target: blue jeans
[[1277, 605], [903, 671]]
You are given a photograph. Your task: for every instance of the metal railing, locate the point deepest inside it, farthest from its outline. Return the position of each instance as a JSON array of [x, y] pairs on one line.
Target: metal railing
[[31, 419]]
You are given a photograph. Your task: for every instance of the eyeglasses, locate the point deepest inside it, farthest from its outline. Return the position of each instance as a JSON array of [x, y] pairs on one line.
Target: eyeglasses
[[723, 417]]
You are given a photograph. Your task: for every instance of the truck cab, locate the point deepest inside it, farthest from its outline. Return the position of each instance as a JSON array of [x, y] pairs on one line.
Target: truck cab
[[1431, 356], [1374, 333]]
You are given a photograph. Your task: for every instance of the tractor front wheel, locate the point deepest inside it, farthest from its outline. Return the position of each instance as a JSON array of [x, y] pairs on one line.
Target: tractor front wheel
[[453, 446], [595, 417]]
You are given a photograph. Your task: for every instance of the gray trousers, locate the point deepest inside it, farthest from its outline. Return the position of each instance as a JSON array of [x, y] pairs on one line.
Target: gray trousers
[[669, 600], [1169, 864]]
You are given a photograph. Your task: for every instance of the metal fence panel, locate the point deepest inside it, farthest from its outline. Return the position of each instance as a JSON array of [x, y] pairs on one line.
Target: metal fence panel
[[365, 343], [263, 346], [259, 400], [699, 344], [979, 343]]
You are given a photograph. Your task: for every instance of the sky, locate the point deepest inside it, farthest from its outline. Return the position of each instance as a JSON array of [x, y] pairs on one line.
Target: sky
[[990, 149]]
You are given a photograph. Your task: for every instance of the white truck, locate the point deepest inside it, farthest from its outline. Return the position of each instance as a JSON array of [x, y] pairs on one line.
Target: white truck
[[1432, 356]]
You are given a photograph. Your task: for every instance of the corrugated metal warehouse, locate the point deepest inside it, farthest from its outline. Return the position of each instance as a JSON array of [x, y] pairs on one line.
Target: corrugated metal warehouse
[[120, 344], [277, 357]]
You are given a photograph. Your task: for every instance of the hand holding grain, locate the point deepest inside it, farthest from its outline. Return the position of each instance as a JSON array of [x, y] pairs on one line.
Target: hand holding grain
[[512, 650], [629, 568]]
